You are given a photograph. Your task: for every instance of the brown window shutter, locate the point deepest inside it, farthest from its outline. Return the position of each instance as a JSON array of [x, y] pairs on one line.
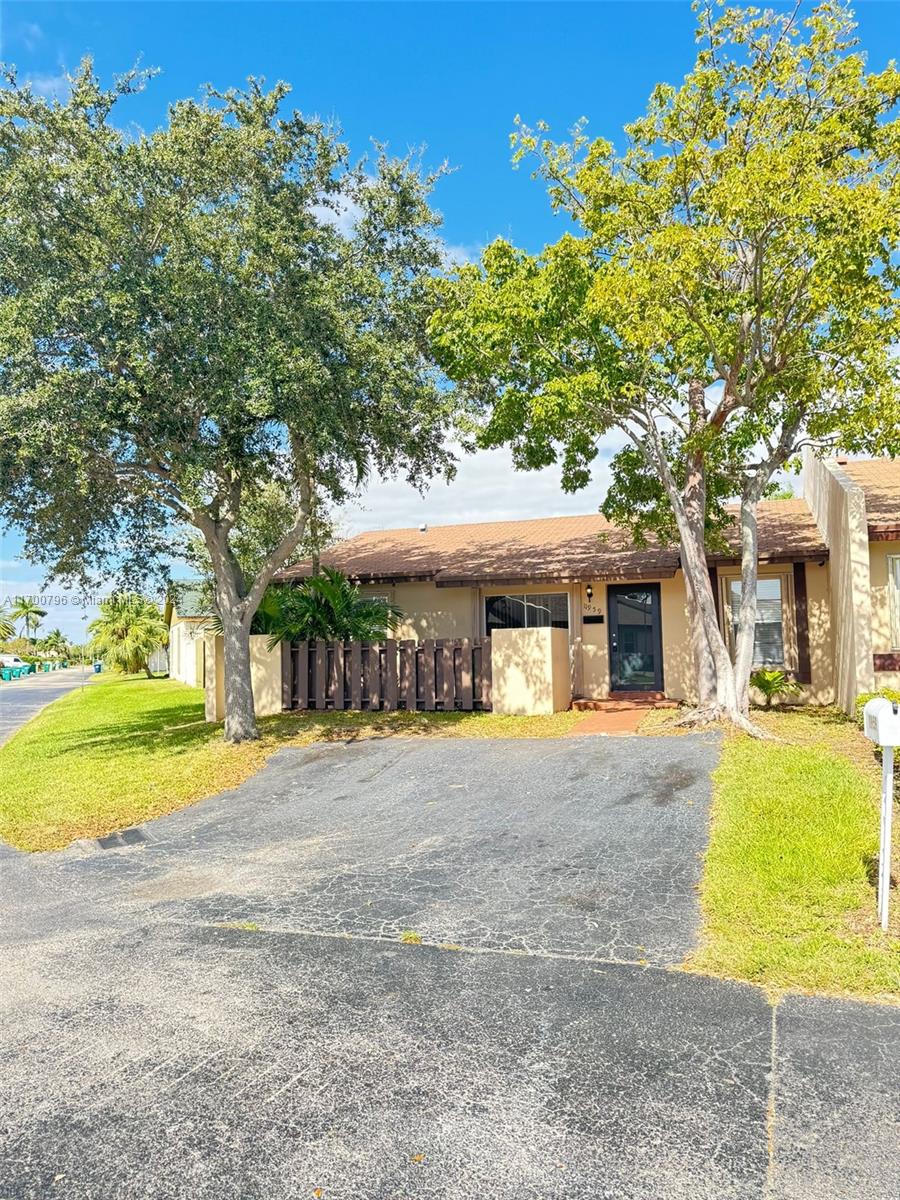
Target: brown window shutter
[[714, 583], [801, 621]]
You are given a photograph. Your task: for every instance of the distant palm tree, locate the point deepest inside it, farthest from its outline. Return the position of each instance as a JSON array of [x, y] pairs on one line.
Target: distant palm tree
[[127, 632], [7, 625], [55, 642], [328, 606], [28, 613]]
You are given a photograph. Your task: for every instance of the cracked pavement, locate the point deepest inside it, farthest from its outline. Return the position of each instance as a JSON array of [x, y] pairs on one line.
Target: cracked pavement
[[220, 1005]]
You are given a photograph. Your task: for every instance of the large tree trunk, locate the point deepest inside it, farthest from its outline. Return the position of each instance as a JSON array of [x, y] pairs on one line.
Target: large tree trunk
[[240, 712], [237, 603], [743, 662], [695, 514], [688, 506], [704, 665]]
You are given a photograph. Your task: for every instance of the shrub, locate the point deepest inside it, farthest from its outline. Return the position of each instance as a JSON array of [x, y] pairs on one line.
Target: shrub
[[862, 701], [772, 682]]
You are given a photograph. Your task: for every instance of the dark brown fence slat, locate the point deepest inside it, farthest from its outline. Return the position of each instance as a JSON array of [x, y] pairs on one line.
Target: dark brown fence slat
[[321, 674], [374, 661], [337, 675], [287, 675], [466, 695], [448, 690], [444, 673], [391, 691], [408, 674], [301, 674], [428, 674], [356, 676]]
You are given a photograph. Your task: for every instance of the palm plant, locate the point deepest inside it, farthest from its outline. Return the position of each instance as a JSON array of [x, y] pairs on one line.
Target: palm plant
[[28, 613], [330, 607], [7, 625], [127, 632], [772, 682], [55, 642]]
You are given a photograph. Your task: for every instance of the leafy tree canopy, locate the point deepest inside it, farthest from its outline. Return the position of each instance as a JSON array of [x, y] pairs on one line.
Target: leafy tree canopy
[[194, 315], [727, 293]]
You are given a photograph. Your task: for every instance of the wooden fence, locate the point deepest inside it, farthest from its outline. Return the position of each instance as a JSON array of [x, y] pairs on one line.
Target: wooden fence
[[436, 675]]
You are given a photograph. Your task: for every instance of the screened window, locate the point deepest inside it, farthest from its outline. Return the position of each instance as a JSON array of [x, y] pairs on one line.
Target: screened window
[[893, 567], [527, 612], [768, 640]]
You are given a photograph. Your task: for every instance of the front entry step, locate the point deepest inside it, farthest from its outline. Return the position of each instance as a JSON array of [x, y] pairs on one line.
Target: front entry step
[[623, 701]]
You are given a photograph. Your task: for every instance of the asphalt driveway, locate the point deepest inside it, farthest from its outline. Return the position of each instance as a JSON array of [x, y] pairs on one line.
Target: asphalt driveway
[[220, 1004]]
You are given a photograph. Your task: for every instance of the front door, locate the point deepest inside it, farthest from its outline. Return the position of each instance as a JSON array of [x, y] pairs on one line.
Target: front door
[[635, 638]]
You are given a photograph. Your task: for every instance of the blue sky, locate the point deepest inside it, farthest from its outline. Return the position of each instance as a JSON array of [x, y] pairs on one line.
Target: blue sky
[[449, 76]]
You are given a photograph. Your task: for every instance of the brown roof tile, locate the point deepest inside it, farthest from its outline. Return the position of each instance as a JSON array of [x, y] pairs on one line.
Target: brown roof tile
[[562, 549], [879, 479]]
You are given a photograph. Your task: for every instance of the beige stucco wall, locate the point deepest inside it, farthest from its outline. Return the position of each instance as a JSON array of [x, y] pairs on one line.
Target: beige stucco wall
[[530, 671], [186, 650], [265, 677], [214, 690], [821, 635], [883, 640], [839, 508], [432, 612]]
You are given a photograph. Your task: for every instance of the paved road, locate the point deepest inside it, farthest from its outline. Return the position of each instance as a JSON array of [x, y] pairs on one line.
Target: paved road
[[219, 1005], [21, 699]]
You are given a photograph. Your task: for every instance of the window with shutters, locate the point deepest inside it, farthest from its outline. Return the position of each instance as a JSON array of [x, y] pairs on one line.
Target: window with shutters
[[774, 635], [893, 570]]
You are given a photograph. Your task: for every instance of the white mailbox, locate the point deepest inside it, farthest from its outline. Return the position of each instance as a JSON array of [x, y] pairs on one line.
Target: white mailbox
[[881, 720]]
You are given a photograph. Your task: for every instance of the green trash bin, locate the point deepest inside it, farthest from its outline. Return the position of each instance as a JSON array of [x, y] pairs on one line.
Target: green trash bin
[[6, 674]]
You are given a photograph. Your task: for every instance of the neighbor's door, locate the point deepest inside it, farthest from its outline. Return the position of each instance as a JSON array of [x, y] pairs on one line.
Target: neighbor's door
[[635, 638]]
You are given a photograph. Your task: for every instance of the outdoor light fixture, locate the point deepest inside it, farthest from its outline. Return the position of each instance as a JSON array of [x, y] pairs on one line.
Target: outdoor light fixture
[[589, 592]]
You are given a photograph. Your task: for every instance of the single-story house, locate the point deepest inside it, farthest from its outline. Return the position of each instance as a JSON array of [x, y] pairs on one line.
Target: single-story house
[[829, 588], [187, 614]]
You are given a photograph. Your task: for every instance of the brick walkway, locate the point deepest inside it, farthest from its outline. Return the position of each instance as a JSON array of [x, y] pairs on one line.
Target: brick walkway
[[616, 716]]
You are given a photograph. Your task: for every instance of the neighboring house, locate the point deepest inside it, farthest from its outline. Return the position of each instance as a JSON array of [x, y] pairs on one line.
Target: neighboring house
[[828, 588], [187, 615]]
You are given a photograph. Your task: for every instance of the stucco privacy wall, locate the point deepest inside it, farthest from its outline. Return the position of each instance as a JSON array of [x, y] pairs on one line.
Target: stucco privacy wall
[[186, 651], [883, 639], [839, 508], [265, 677], [432, 612], [530, 671]]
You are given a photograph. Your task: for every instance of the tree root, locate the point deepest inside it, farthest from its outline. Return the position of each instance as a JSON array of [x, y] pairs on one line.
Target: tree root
[[712, 714]]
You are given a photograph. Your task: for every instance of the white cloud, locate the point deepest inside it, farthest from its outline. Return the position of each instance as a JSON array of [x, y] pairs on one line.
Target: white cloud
[[343, 213], [31, 34], [486, 488], [52, 87], [459, 256]]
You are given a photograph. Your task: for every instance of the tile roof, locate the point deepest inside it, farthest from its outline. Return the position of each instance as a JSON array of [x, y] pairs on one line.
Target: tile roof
[[879, 479], [562, 549]]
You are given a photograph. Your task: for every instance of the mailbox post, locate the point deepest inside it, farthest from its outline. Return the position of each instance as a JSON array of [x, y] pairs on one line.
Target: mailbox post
[[881, 721]]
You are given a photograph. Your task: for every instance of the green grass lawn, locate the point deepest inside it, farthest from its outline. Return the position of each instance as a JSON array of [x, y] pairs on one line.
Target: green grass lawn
[[788, 891], [128, 748]]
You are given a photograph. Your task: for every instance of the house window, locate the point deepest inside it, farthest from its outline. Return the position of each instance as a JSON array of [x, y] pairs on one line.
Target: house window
[[527, 612], [768, 639], [893, 571]]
